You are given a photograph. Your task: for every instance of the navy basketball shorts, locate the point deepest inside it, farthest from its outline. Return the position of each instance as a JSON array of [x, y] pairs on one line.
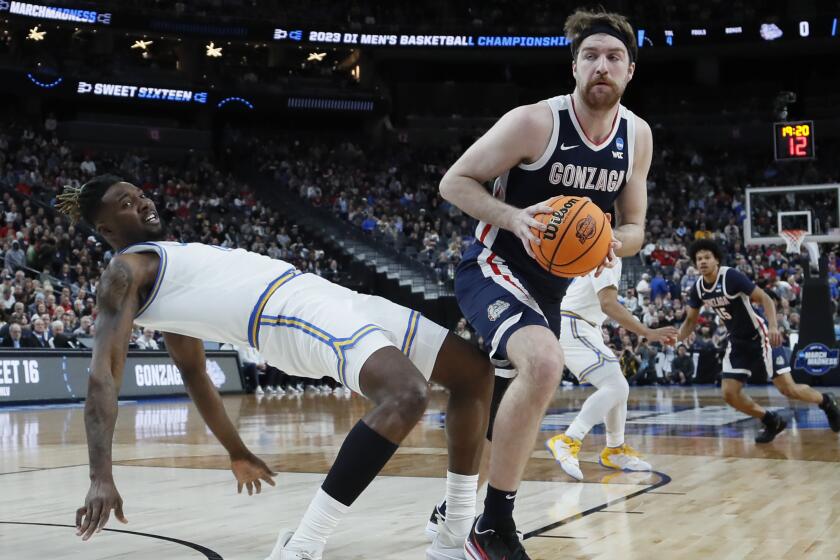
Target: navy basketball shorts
[[497, 302], [754, 357]]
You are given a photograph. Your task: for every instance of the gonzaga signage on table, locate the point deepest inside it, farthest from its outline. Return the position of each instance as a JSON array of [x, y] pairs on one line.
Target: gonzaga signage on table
[[45, 376]]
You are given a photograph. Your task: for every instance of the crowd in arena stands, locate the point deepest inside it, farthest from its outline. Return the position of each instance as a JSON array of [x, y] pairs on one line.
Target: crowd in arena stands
[[51, 267], [391, 194]]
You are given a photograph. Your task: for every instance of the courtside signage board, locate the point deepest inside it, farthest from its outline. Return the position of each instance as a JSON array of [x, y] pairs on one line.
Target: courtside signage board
[[817, 359], [47, 376]]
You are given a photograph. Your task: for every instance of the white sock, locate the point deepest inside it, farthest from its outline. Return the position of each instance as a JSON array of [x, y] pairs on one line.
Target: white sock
[[614, 422], [319, 521], [460, 502], [613, 391]]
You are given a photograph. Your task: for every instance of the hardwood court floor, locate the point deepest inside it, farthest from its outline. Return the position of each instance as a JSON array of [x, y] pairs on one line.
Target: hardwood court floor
[[715, 494]]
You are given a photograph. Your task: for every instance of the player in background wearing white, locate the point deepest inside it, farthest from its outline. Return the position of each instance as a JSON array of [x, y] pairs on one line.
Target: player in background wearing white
[[589, 301]]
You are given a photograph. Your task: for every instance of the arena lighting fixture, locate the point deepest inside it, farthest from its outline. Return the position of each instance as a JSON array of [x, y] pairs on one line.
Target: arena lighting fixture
[[45, 85], [35, 34], [241, 100], [142, 45], [317, 57], [213, 51]]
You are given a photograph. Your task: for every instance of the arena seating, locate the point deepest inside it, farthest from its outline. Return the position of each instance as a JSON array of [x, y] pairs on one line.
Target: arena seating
[[391, 195]]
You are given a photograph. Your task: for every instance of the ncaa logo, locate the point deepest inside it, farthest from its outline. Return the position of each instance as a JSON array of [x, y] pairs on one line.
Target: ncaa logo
[[619, 143], [817, 359]]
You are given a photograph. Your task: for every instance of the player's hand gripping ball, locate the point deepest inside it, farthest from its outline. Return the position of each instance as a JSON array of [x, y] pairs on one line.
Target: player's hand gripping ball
[[577, 237]]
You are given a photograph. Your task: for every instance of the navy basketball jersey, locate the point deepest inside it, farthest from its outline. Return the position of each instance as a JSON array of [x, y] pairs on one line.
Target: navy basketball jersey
[[571, 165], [729, 297]]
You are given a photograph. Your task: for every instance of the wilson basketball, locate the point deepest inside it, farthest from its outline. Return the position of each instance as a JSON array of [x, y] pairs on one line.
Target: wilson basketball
[[577, 238]]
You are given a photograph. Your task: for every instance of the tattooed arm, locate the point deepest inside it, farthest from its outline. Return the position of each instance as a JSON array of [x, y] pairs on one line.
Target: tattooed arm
[[118, 301]]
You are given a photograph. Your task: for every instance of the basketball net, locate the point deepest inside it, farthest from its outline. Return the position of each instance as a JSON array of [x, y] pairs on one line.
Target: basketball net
[[794, 239]]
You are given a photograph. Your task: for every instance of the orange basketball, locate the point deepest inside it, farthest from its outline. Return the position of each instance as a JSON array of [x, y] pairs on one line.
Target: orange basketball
[[577, 239]]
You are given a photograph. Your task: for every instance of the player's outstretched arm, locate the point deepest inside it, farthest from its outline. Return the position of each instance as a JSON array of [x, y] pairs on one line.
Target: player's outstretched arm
[[631, 204], [521, 135], [117, 302], [608, 297], [691, 315], [188, 354]]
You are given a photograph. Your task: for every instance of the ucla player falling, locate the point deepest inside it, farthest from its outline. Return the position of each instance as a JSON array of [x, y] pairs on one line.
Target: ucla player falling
[[585, 143], [754, 345], [301, 324]]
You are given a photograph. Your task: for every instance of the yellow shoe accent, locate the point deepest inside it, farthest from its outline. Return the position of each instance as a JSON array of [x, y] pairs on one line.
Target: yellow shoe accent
[[627, 450], [573, 444], [608, 452]]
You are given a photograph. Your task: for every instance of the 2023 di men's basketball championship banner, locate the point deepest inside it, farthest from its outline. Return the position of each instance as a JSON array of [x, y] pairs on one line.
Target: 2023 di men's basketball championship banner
[[48, 376]]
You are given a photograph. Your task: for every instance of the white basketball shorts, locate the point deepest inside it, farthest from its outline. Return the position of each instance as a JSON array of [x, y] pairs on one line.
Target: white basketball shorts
[[584, 348], [311, 327]]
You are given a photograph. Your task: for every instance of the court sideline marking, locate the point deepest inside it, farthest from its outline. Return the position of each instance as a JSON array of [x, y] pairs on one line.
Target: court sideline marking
[[209, 554], [664, 479]]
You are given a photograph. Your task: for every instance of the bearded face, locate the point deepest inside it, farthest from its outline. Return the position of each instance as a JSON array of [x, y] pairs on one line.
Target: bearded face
[[602, 71]]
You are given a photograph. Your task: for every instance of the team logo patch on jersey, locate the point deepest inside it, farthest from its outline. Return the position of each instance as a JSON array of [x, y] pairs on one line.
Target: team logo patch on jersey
[[585, 229], [619, 143], [495, 309]]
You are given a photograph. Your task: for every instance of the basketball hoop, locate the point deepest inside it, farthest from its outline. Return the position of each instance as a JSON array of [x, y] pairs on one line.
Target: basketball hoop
[[794, 239]]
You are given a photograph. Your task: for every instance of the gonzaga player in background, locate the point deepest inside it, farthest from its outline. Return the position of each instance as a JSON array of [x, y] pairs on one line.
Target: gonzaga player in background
[[754, 345], [302, 324]]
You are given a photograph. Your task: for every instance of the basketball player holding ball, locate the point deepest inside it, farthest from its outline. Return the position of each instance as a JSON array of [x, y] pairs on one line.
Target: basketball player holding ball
[[584, 145]]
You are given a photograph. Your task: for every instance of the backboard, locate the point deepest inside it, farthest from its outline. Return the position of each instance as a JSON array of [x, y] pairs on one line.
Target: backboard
[[813, 208]]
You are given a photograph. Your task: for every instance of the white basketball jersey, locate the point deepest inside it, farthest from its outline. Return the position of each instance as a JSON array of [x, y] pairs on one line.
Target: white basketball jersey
[[208, 292], [582, 295]]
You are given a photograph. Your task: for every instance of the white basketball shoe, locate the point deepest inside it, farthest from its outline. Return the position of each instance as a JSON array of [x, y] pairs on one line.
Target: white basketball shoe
[[280, 552], [623, 458], [446, 545], [565, 451]]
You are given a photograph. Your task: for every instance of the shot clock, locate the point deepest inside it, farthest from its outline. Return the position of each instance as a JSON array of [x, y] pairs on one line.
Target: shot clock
[[794, 140]]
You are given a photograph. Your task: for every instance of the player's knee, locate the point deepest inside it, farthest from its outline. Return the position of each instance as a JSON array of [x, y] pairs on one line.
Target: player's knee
[[731, 396], [411, 399], [622, 387], [546, 370], [788, 390]]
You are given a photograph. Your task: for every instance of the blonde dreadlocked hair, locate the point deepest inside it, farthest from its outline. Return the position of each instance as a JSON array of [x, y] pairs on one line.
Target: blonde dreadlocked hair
[[82, 203]]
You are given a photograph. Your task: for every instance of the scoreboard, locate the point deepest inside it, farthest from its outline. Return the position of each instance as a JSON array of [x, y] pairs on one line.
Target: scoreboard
[[793, 140]]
